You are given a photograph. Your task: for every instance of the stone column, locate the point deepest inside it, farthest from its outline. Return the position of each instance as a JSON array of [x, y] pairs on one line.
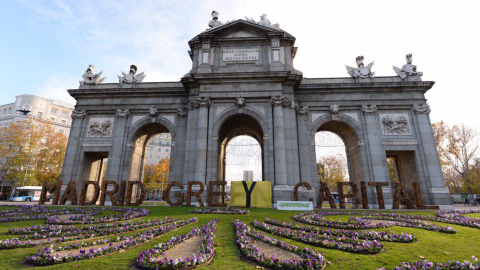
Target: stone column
[[376, 155], [434, 189], [114, 168], [180, 144], [279, 143], [306, 153], [73, 152], [202, 132]]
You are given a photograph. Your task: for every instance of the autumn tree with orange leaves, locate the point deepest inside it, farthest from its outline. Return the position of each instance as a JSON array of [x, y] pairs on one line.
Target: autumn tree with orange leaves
[[31, 151], [332, 169], [459, 151], [156, 175]]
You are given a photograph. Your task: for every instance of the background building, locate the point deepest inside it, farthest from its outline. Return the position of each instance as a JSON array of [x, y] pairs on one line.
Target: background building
[[158, 148], [57, 113]]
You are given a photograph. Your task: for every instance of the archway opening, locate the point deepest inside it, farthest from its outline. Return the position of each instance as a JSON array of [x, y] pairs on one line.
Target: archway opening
[[151, 160], [338, 158], [240, 150]]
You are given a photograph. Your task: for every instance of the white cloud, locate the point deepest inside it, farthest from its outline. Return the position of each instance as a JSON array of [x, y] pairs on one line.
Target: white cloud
[[55, 88]]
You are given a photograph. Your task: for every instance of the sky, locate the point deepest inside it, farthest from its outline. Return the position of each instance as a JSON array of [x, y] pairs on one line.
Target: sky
[[47, 45]]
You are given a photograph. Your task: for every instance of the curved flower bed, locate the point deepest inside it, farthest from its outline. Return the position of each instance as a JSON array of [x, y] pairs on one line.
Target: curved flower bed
[[80, 233], [49, 255], [370, 235], [244, 236], [317, 219], [225, 211], [128, 213], [412, 221], [425, 264], [343, 243], [41, 212], [148, 259]]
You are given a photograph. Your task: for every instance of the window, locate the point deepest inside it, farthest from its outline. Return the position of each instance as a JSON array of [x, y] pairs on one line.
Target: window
[[167, 150], [39, 114], [61, 131], [168, 143], [52, 119], [64, 114], [159, 149], [27, 107], [64, 121], [54, 111]]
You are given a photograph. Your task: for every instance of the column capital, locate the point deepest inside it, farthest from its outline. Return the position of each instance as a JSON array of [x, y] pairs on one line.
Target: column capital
[[369, 109], [79, 114], [421, 108], [123, 113], [277, 101], [199, 102]]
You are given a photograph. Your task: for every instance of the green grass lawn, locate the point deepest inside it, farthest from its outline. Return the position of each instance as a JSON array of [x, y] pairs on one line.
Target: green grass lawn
[[431, 245]]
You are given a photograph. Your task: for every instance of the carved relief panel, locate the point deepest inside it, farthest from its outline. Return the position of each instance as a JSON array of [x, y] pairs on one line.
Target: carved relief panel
[[100, 127], [395, 124]]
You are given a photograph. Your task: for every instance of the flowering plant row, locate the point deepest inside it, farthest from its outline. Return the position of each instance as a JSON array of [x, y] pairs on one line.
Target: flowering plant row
[[234, 211], [244, 238], [352, 223], [128, 213], [343, 243], [80, 233], [405, 221], [414, 223], [148, 259], [370, 235], [100, 230], [55, 230], [425, 264], [49, 255], [317, 219], [43, 213]]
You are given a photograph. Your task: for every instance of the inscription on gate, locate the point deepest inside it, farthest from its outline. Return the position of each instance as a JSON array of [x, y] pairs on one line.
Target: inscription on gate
[[231, 55]]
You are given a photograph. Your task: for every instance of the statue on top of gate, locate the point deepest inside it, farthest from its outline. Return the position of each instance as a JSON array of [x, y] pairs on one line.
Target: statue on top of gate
[[131, 77], [214, 22], [407, 69], [362, 71], [90, 78]]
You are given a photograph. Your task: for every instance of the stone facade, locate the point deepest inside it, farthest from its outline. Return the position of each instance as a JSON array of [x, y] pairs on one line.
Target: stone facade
[[243, 82]]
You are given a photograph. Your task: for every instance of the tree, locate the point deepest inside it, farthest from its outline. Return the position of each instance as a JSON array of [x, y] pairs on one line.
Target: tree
[[458, 152], [332, 169], [156, 175], [31, 151]]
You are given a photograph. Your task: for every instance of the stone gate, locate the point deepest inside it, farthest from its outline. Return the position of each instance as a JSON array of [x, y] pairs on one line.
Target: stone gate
[[243, 82]]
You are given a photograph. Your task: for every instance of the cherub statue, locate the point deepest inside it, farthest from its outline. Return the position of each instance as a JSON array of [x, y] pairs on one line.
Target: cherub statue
[[131, 77], [90, 78], [407, 69], [263, 22], [214, 22], [361, 71]]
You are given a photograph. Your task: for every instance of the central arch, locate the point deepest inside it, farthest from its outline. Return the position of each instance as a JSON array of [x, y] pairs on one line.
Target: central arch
[[234, 126], [347, 129]]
